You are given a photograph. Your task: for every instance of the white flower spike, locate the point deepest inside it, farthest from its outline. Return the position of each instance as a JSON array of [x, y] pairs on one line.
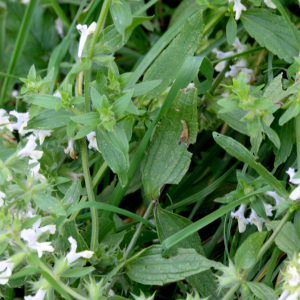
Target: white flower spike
[[2, 195], [240, 66], [41, 134], [40, 295], [239, 215], [256, 220], [219, 67], [277, 198], [31, 236], [6, 270], [240, 47], [268, 208], [238, 8], [35, 170], [70, 149], [92, 139], [291, 172], [270, 4], [85, 32], [29, 149], [22, 119], [72, 255], [295, 280], [4, 121]]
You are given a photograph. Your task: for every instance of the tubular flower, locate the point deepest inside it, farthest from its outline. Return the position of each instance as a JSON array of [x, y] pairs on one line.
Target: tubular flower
[[256, 220], [28, 150], [38, 296], [240, 66], [6, 270], [268, 208], [70, 149], [72, 255], [277, 198], [270, 4], [4, 121], [92, 139], [85, 32], [31, 236], [239, 215], [238, 8], [295, 194]]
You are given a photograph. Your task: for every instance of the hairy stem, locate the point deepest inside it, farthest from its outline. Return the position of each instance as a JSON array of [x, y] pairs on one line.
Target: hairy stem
[[231, 292]]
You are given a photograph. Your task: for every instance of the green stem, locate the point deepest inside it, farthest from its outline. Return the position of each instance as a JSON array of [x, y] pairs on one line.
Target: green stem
[[231, 292], [219, 79], [86, 91], [90, 192], [2, 74], [60, 13], [18, 47], [298, 139], [100, 24], [98, 177]]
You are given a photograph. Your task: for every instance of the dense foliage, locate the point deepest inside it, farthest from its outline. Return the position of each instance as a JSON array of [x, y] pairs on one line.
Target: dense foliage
[[149, 149]]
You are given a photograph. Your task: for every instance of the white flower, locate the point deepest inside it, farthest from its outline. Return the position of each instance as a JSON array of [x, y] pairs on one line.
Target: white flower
[[270, 4], [35, 170], [295, 280], [57, 94], [239, 215], [277, 198], [22, 118], [70, 149], [74, 176], [38, 296], [41, 134], [292, 173], [31, 236], [25, 2], [240, 47], [256, 220], [240, 66], [268, 208], [15, 93], [93, 142], [85, 32], [72, 255], [4, 121], [219, 67], [238, 8], [59, 26], [2, 195], [6, 270], [294, 296], [29, 149], [284, 295]]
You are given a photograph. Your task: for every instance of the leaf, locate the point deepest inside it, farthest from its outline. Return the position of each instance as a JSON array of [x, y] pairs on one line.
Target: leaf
[[121, 15], [259, 208], [166, 158], [287, 240], [50, 119], [261, 291], [150, 268], [114, 148], [72, 195], [46, 101], [237, 150], [3, 247], [77, 272], [70, 229], [48, 203], [167, 66], [168, 224], [274, 90], [84, 131], [248, 251], [92, 118], [82, 66], [96, 98], [290, 113], [272, 135], [270, 31], [231, 29], [145, 87], [121, 104], [296, 223]]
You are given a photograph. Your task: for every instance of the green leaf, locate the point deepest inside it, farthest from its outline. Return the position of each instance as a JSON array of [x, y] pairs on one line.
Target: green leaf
[[28, 223], [231, 29], [271, 31], [121, 15], [274, 90], [121, 104], [72, 195], [77, 272], [272, 135], [92, 118], [237, 150], [158, 166], [46, 101], [248, 251], [114, 148], [259, 208], [48, 203], [50, 119], [168, 224], [261, 291], [84, 131], [287, 240], [96, 98], [167, 66], [82, 66], [3, 247], [151, 268], [296, 223], [70, 229], [71, 127], [145, 87], [290, 113]]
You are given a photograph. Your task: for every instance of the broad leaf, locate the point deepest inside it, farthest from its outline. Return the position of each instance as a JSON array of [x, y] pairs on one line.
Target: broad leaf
[[151, 268], [48, 203], [77, 272], [72, 195], [145, 87], [168, 64], [92, 118], [270, 31], [121, 15], [114, 148], [261, 291], [166, 158], [46, 101], [121, 104]]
